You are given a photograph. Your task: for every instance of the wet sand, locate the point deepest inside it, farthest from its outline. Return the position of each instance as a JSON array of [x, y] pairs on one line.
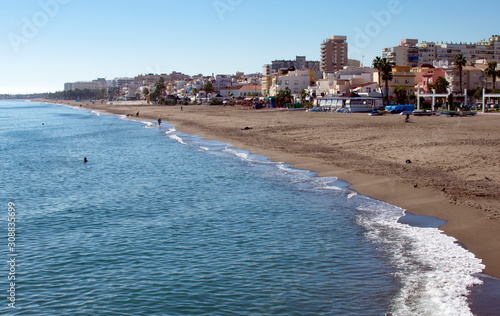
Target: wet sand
[[454, 174]]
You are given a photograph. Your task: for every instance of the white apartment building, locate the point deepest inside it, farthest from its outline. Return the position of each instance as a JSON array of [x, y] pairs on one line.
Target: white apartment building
[[296, 81], [410, 53]]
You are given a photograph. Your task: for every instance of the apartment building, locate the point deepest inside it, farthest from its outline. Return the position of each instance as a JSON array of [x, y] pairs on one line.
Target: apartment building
[[97, 84], [410, 53], [334, 54], [300, 63]]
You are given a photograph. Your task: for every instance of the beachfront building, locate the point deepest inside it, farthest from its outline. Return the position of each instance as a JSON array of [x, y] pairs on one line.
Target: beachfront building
[[97, 84], [472, 78], [334, 54], [320, 88], [410, 53], [349, 78], [402, 76], [241, 91], [341, 86], [370, 89], [425, 76], [296, 81]]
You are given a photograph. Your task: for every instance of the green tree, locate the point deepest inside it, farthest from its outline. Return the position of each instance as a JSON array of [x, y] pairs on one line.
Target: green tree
[[492, 72], [460, 63], [401, 95], [145, 91], [386, 71], [208, 87], [303, 96], [441, 85], [377, 64], [284, 96], [159, 89]]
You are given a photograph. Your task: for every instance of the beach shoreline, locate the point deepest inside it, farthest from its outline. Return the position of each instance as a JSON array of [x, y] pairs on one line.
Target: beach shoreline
[[295, 138]]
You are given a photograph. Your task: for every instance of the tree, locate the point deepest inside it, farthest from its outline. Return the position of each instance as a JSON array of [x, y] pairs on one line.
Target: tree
[[377, 64], [303, 95], [386, 71], [208, 87], [401, 95], [460, 62], [492, 72], [441, 85], [284, 96], [145, 91], [194, 91], [159, 88]]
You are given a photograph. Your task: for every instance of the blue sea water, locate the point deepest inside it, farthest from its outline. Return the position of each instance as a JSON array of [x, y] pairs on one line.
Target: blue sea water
[[163, 223]]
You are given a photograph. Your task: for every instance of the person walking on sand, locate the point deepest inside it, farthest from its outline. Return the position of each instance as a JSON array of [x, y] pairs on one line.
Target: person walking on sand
[[159, 122]]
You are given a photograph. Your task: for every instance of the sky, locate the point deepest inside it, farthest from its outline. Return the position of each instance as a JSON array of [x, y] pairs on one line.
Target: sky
[[45, 43]]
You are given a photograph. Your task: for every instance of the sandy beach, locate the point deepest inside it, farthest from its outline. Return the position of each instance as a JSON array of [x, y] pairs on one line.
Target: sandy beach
[[454, 172]]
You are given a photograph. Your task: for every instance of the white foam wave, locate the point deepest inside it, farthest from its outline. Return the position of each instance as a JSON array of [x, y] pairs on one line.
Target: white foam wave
[[351, 195], [204, 148], [149, 125], [176, 137], [242, 155], [435, 273], [95, 113], [170, 131]]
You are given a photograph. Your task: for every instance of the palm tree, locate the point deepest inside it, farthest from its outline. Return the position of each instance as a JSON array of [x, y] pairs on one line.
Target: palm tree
[[460, 62], [387, 76], [384, 69], [492, 72], [377, 62]]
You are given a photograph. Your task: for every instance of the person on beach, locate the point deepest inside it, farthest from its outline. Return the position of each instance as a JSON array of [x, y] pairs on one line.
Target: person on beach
[[159, 122], [137, 114], [407, 119], [181, 108]]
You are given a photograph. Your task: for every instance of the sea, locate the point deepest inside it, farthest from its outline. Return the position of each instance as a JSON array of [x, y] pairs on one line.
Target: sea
[[158, 222]]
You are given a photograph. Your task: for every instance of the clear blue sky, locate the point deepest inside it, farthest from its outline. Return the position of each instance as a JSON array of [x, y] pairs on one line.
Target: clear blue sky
[[46, 43]]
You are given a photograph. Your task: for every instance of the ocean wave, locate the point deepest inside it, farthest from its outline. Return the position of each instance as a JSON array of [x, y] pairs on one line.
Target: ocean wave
[[240, 154], [148, 124], [434, 272]]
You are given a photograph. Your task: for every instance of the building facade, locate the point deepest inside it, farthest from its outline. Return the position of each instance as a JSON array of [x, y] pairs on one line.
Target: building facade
[[410, 53], [300, 63], [334, 54]]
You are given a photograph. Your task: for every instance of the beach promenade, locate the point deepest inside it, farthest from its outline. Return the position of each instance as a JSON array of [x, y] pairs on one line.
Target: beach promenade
[[454, 172]]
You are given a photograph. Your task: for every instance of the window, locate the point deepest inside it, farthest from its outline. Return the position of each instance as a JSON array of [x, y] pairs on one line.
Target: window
[[407, 81], [296, 82]]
